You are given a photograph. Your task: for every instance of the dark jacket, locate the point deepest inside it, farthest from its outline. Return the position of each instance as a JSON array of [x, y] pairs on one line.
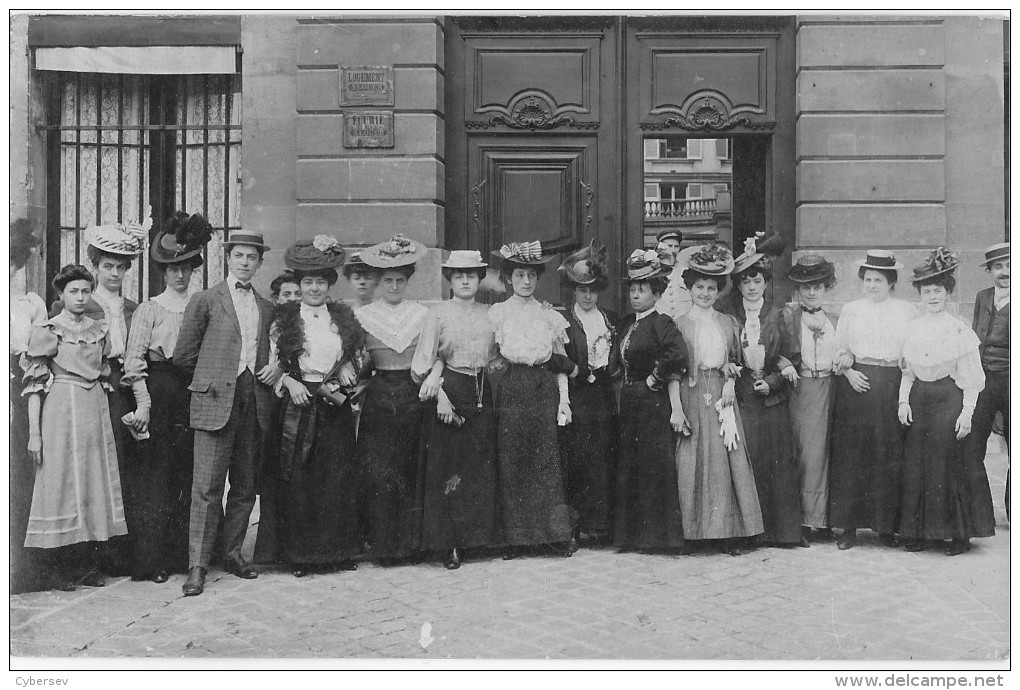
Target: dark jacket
[[779, 388], [992, 327], [655, 348], [577, 347]]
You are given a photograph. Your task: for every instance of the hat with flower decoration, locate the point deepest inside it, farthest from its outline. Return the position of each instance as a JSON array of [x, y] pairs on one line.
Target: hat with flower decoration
[[535, 252], [760, 249], [644, 264], [942, 260], [181, 237], [714, 259], [320, 253], [398, 251], [123, 239]]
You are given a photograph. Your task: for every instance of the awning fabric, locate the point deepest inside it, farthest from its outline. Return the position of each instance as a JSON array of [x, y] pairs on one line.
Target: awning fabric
[[139, 59]]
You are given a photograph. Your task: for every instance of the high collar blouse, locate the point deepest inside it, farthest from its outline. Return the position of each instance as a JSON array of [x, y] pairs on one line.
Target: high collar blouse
[[323, 345], [526, 331], [941, 345], [27, 311], [751, 340], [874, 330], [817, 341], [597, 336], [459, 334], [64, 345], [113, 307], [154, 330], [709, 342], [393, 332]]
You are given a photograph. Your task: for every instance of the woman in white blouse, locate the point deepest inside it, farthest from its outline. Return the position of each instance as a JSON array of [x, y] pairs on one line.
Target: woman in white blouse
[[455, 353], [807, 340], [867, 445], [312, 483], [945, 494], [530, 402], [158, 481]]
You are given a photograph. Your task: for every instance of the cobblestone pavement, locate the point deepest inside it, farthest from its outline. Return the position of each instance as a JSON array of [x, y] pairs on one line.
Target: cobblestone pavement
[[868, 603]]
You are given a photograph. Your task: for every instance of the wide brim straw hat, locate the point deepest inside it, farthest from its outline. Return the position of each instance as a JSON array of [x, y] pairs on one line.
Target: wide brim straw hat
[[321, 253], [525, 253], [181, 237], [714, 259], [586, 266], [811, 268], [464, 258], [398, 251], [122, 239], [880, 260], [997, 252], [644, 264], [252, 239], [939, 262], [759, 249]]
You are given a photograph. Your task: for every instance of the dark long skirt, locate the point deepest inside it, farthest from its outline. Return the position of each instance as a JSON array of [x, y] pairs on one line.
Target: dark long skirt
[[941, 499], [769, 439], [532, 499], [22, 471], [117, 554], [460, 474], [157, 478], [647, 511], [391, 458], [311, 485], [866, 471], [589, 446]]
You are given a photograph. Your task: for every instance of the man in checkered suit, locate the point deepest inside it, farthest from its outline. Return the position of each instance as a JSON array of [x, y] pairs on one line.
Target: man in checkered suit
[[223, 345]]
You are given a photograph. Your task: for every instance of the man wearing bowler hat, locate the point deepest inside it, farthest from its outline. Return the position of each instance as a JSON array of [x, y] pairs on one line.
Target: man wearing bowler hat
[[223, 345], [991, 323]]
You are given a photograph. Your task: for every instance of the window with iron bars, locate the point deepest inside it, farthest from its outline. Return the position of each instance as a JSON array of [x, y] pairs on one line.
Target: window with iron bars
[[121, 144]]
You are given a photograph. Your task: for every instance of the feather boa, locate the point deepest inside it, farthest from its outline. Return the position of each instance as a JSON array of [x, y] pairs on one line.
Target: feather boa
[[291, 328]]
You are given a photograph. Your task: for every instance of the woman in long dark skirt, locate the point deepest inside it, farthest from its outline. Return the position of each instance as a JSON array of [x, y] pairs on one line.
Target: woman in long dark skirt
[[763, 394], [391, 441], [589, 443], [454, 354], [158, 477], [866, 468], [653, 355], [27, 311], [532, 400], [312, 477], [946, 499]]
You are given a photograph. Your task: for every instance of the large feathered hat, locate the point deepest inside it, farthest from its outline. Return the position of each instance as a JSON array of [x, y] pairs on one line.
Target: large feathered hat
[[181, 237], [760, 249], [586, 266], [942, 260], [535, 252]]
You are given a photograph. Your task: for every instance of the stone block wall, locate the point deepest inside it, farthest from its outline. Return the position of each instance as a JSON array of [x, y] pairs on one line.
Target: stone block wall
[[899, 142]]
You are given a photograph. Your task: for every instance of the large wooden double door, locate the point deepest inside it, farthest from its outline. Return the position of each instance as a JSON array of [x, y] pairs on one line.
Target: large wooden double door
[[546, 120]]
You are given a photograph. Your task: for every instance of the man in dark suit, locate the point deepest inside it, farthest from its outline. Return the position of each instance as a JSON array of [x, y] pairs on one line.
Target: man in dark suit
[[991, 323], [224, 344]]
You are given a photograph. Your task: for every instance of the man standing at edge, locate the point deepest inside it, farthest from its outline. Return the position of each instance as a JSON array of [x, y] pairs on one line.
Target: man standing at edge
[[223, 344], [991, 323]]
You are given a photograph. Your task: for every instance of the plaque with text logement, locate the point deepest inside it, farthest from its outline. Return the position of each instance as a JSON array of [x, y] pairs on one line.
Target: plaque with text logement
[[366, 85], [368, 129]]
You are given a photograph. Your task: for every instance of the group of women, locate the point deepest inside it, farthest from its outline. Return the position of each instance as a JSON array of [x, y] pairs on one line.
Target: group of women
[[404, 430]]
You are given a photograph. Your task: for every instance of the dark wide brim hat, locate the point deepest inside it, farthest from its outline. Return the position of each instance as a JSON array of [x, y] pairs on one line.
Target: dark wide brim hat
[[939, 262], [322, 253], [398, 251], [252, 239], [585, 266], [181, 238], [997, 252], [21, 235], [761, 250], [811, 268]]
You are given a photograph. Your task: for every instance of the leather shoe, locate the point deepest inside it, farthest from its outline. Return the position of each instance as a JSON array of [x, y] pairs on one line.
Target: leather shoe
[[453, 560], [957, 546], [298, 570], [93, 578], [888, 539], [914, 545], [240, 568], [846, 540], [160, 577], [195, 584]]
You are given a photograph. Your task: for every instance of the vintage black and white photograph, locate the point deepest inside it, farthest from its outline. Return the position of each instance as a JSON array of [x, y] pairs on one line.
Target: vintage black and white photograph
[[461, 337]]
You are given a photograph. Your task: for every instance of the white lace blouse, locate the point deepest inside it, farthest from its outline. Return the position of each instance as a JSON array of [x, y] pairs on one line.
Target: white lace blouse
[[526, 331], [941, 345]]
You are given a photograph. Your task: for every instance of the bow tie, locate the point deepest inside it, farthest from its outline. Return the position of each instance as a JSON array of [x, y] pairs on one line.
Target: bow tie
[[242, 286], [809, 310]]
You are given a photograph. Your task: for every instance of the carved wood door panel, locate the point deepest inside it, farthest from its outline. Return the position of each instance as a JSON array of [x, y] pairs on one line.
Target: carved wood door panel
[[531, 118]]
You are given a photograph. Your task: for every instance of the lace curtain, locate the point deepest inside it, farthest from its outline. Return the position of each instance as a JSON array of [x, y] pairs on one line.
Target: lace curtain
[[105, 173]]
